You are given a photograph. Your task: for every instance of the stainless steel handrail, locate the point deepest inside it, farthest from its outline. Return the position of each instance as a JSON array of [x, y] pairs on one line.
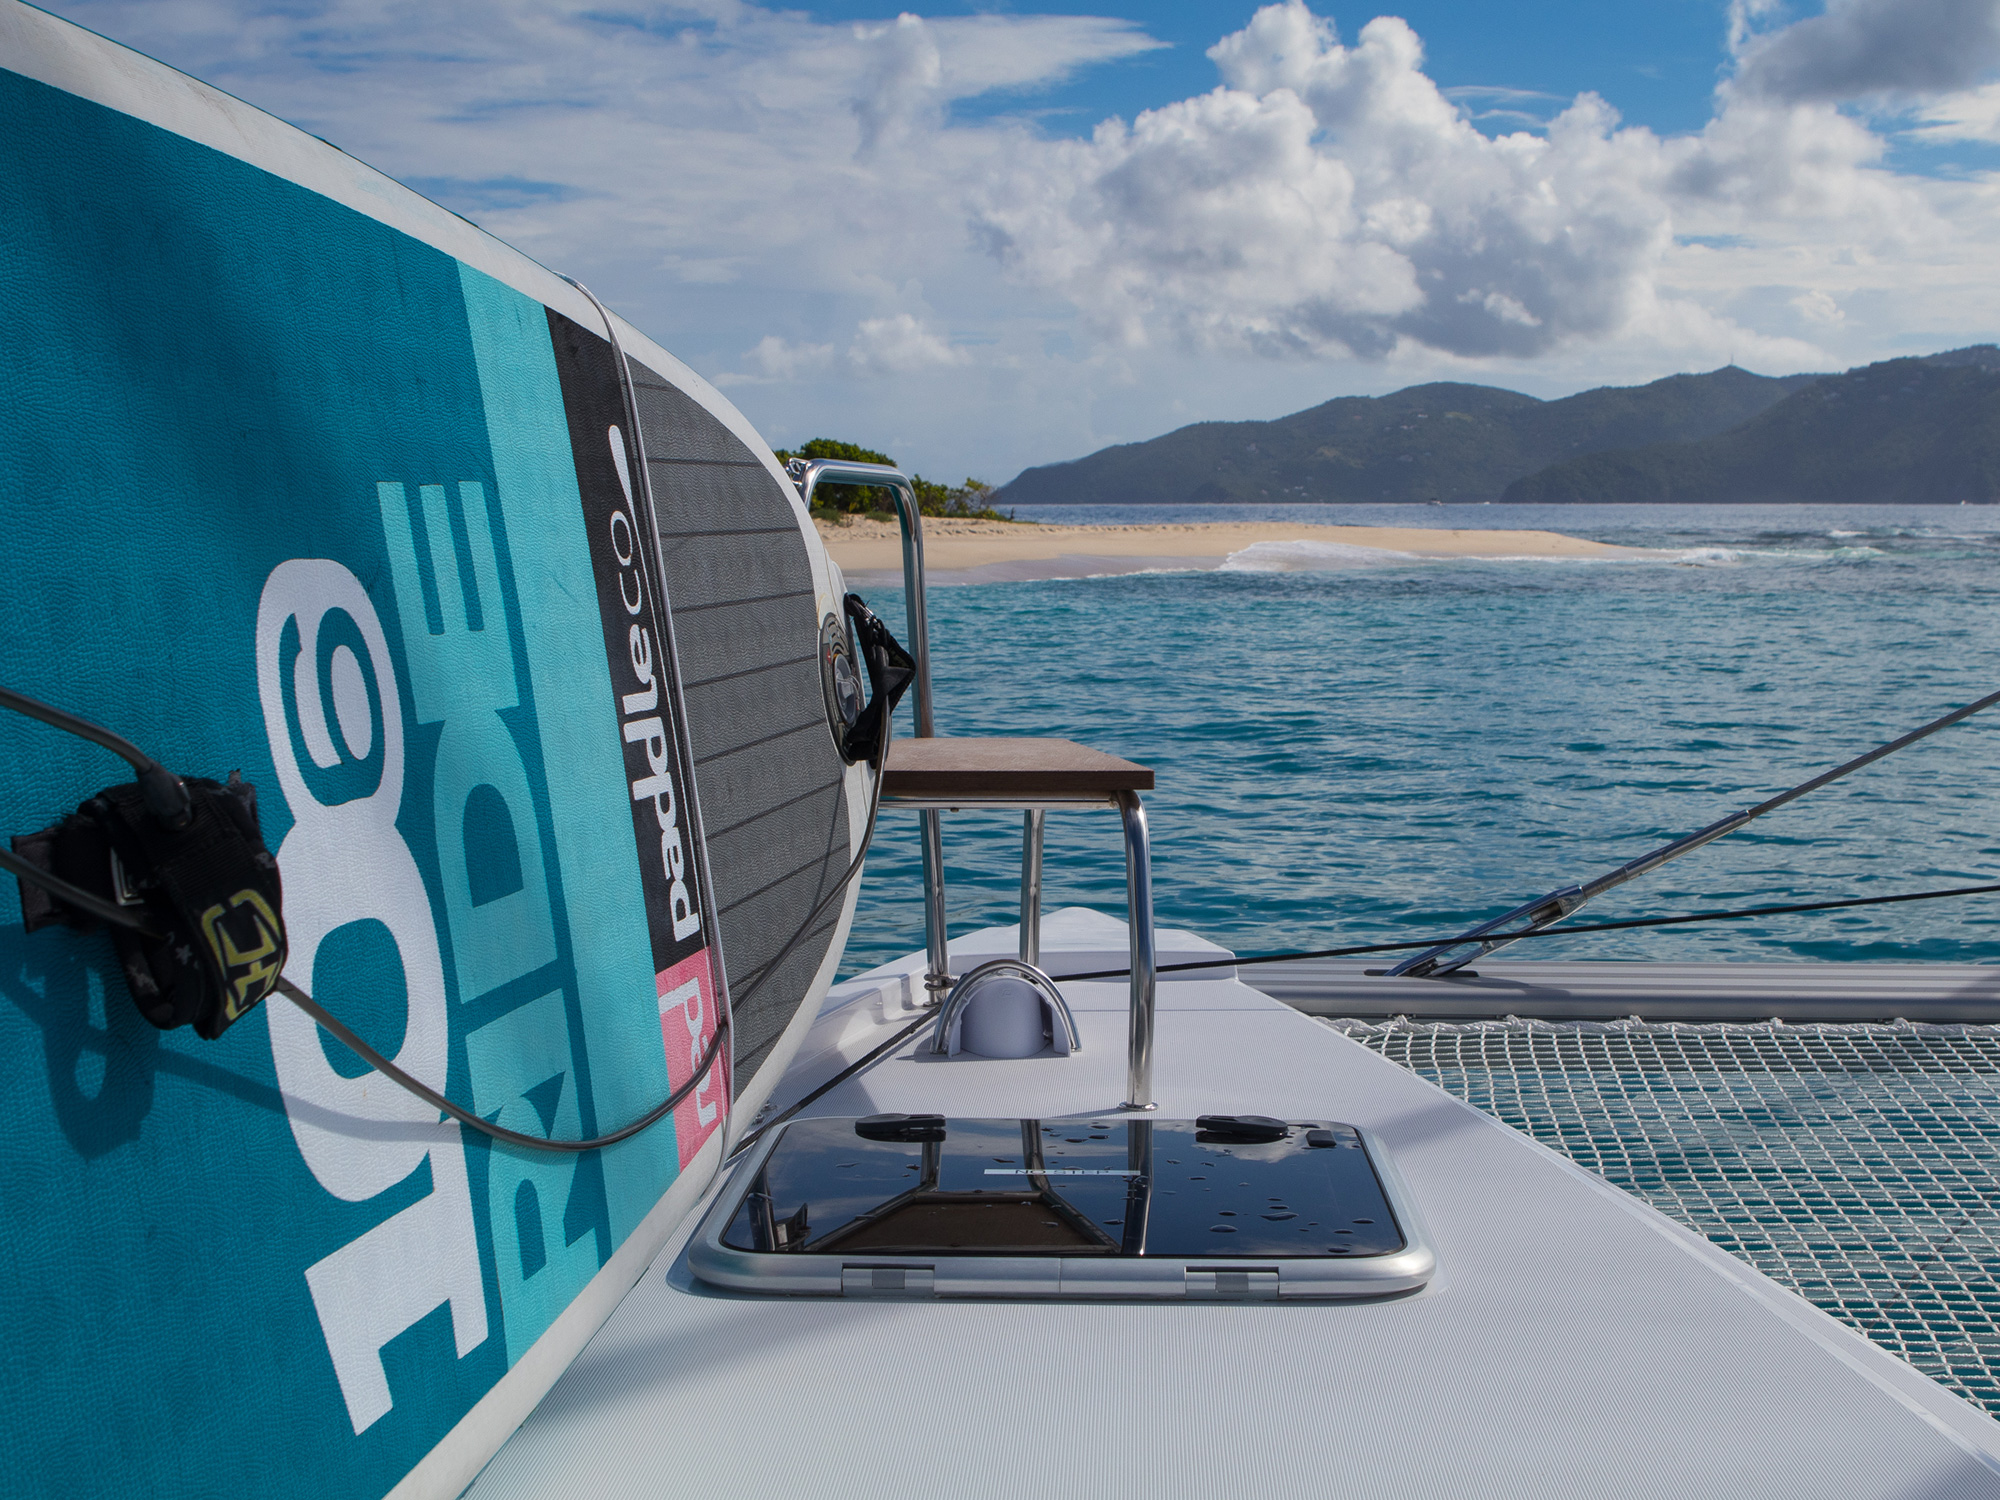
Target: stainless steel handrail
[[961, 996], [809, 474]]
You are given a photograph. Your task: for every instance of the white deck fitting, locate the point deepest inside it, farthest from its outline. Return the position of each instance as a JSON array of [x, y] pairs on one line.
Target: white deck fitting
[[1573, 1342]]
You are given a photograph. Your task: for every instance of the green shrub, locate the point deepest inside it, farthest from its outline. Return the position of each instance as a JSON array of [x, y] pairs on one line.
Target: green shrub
[[967, 501]]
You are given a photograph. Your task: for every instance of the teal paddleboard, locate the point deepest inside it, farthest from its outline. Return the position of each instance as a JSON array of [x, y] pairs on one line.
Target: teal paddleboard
[[514, 624]]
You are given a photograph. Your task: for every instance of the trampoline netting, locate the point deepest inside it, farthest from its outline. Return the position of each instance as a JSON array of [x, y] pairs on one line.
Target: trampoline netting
[[1858, 1165]]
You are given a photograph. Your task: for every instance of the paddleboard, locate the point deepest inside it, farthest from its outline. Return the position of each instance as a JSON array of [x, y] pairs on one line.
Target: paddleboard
[[514, 622]]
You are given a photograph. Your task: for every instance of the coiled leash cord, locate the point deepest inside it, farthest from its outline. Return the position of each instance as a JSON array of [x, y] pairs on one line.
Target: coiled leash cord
[[432, 1097], [158, 787], [666, 1106]]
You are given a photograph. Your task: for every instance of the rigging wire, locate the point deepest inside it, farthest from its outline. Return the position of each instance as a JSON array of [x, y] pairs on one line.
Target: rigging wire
[[903, 1034], [1556, 932], [1545, 911]]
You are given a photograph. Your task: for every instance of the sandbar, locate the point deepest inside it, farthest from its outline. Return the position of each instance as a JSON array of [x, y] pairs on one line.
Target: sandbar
[[961, 551]]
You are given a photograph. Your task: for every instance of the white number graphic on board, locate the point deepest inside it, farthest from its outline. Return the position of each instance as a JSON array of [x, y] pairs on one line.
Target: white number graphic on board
[[345, 863]]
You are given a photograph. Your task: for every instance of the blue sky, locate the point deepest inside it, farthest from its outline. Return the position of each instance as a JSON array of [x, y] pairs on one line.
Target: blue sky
[[983, 237], [1656, 62]]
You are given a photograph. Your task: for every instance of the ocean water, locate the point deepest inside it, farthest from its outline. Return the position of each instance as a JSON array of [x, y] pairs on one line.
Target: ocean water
[[1354, 746]]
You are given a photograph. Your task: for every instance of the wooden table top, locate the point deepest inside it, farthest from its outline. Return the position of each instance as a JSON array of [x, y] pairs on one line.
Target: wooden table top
[[973, 767]]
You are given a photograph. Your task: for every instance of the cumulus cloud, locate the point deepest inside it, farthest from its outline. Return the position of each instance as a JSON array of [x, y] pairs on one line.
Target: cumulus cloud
[[1973, 115], [900, 345], [713, 139], [776, 359], [1329, 199], [719, 170], [1860, 48], [904, 81]]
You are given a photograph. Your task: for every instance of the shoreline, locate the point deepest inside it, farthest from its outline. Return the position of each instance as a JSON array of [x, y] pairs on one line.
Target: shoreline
[[964, 551]]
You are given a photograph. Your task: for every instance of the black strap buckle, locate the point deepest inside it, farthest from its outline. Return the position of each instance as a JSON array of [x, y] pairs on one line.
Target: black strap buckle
[[208, 892], [891, 670]]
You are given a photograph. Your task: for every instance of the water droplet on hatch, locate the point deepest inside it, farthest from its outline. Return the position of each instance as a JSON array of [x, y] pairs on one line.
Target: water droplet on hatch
[[1222, 1229]]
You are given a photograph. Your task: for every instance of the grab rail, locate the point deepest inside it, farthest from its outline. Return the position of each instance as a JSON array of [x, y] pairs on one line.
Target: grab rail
[[809, 474]]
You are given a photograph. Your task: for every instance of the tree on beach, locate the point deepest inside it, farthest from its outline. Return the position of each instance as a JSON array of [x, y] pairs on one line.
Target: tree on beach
[[967, 501]]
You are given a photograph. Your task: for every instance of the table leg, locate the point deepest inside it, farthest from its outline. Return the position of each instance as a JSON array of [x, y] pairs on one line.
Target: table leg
[[1031, 886], [936, 937], [1139, 916]]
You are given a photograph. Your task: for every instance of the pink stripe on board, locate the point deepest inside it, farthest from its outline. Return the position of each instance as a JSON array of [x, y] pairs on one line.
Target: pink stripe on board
[[687, 1025]]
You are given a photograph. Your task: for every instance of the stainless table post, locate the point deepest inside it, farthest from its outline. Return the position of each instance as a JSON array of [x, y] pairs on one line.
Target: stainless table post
[[937, 978], [1139, 916], [1031, 886]]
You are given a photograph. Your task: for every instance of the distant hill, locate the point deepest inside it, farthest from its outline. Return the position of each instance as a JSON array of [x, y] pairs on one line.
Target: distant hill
[[1430, 442], [1906, 431]]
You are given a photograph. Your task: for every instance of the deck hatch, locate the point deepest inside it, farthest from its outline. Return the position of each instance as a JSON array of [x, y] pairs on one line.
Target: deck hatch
[[1107, 1207]]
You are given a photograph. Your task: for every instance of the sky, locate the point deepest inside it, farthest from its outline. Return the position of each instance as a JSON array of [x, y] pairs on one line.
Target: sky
[[982, 237]]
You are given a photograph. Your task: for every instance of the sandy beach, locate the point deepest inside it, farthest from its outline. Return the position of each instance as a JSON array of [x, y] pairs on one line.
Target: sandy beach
[[1000, 551]]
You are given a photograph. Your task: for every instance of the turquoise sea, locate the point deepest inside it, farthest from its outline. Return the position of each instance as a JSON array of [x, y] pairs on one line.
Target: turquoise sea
[[1358, 746]]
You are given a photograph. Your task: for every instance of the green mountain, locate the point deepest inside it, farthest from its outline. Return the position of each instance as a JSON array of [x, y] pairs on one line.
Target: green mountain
[[1906, 431], [1430, 442]]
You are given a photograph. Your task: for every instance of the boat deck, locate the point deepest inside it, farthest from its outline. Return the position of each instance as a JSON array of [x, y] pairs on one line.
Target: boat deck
[[1574, 1341]]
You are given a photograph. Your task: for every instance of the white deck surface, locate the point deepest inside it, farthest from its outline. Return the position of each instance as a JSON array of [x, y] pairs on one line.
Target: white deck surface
[[1573, 1342]]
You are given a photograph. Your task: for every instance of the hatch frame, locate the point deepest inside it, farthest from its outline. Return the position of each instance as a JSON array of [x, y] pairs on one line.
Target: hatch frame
[[1175, 1277]]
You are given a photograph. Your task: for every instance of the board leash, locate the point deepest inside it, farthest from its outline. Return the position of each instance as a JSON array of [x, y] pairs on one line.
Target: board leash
[[150, 918]]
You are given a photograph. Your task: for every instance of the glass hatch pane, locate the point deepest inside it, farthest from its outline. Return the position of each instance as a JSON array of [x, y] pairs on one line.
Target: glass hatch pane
[[1067, 1188]]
